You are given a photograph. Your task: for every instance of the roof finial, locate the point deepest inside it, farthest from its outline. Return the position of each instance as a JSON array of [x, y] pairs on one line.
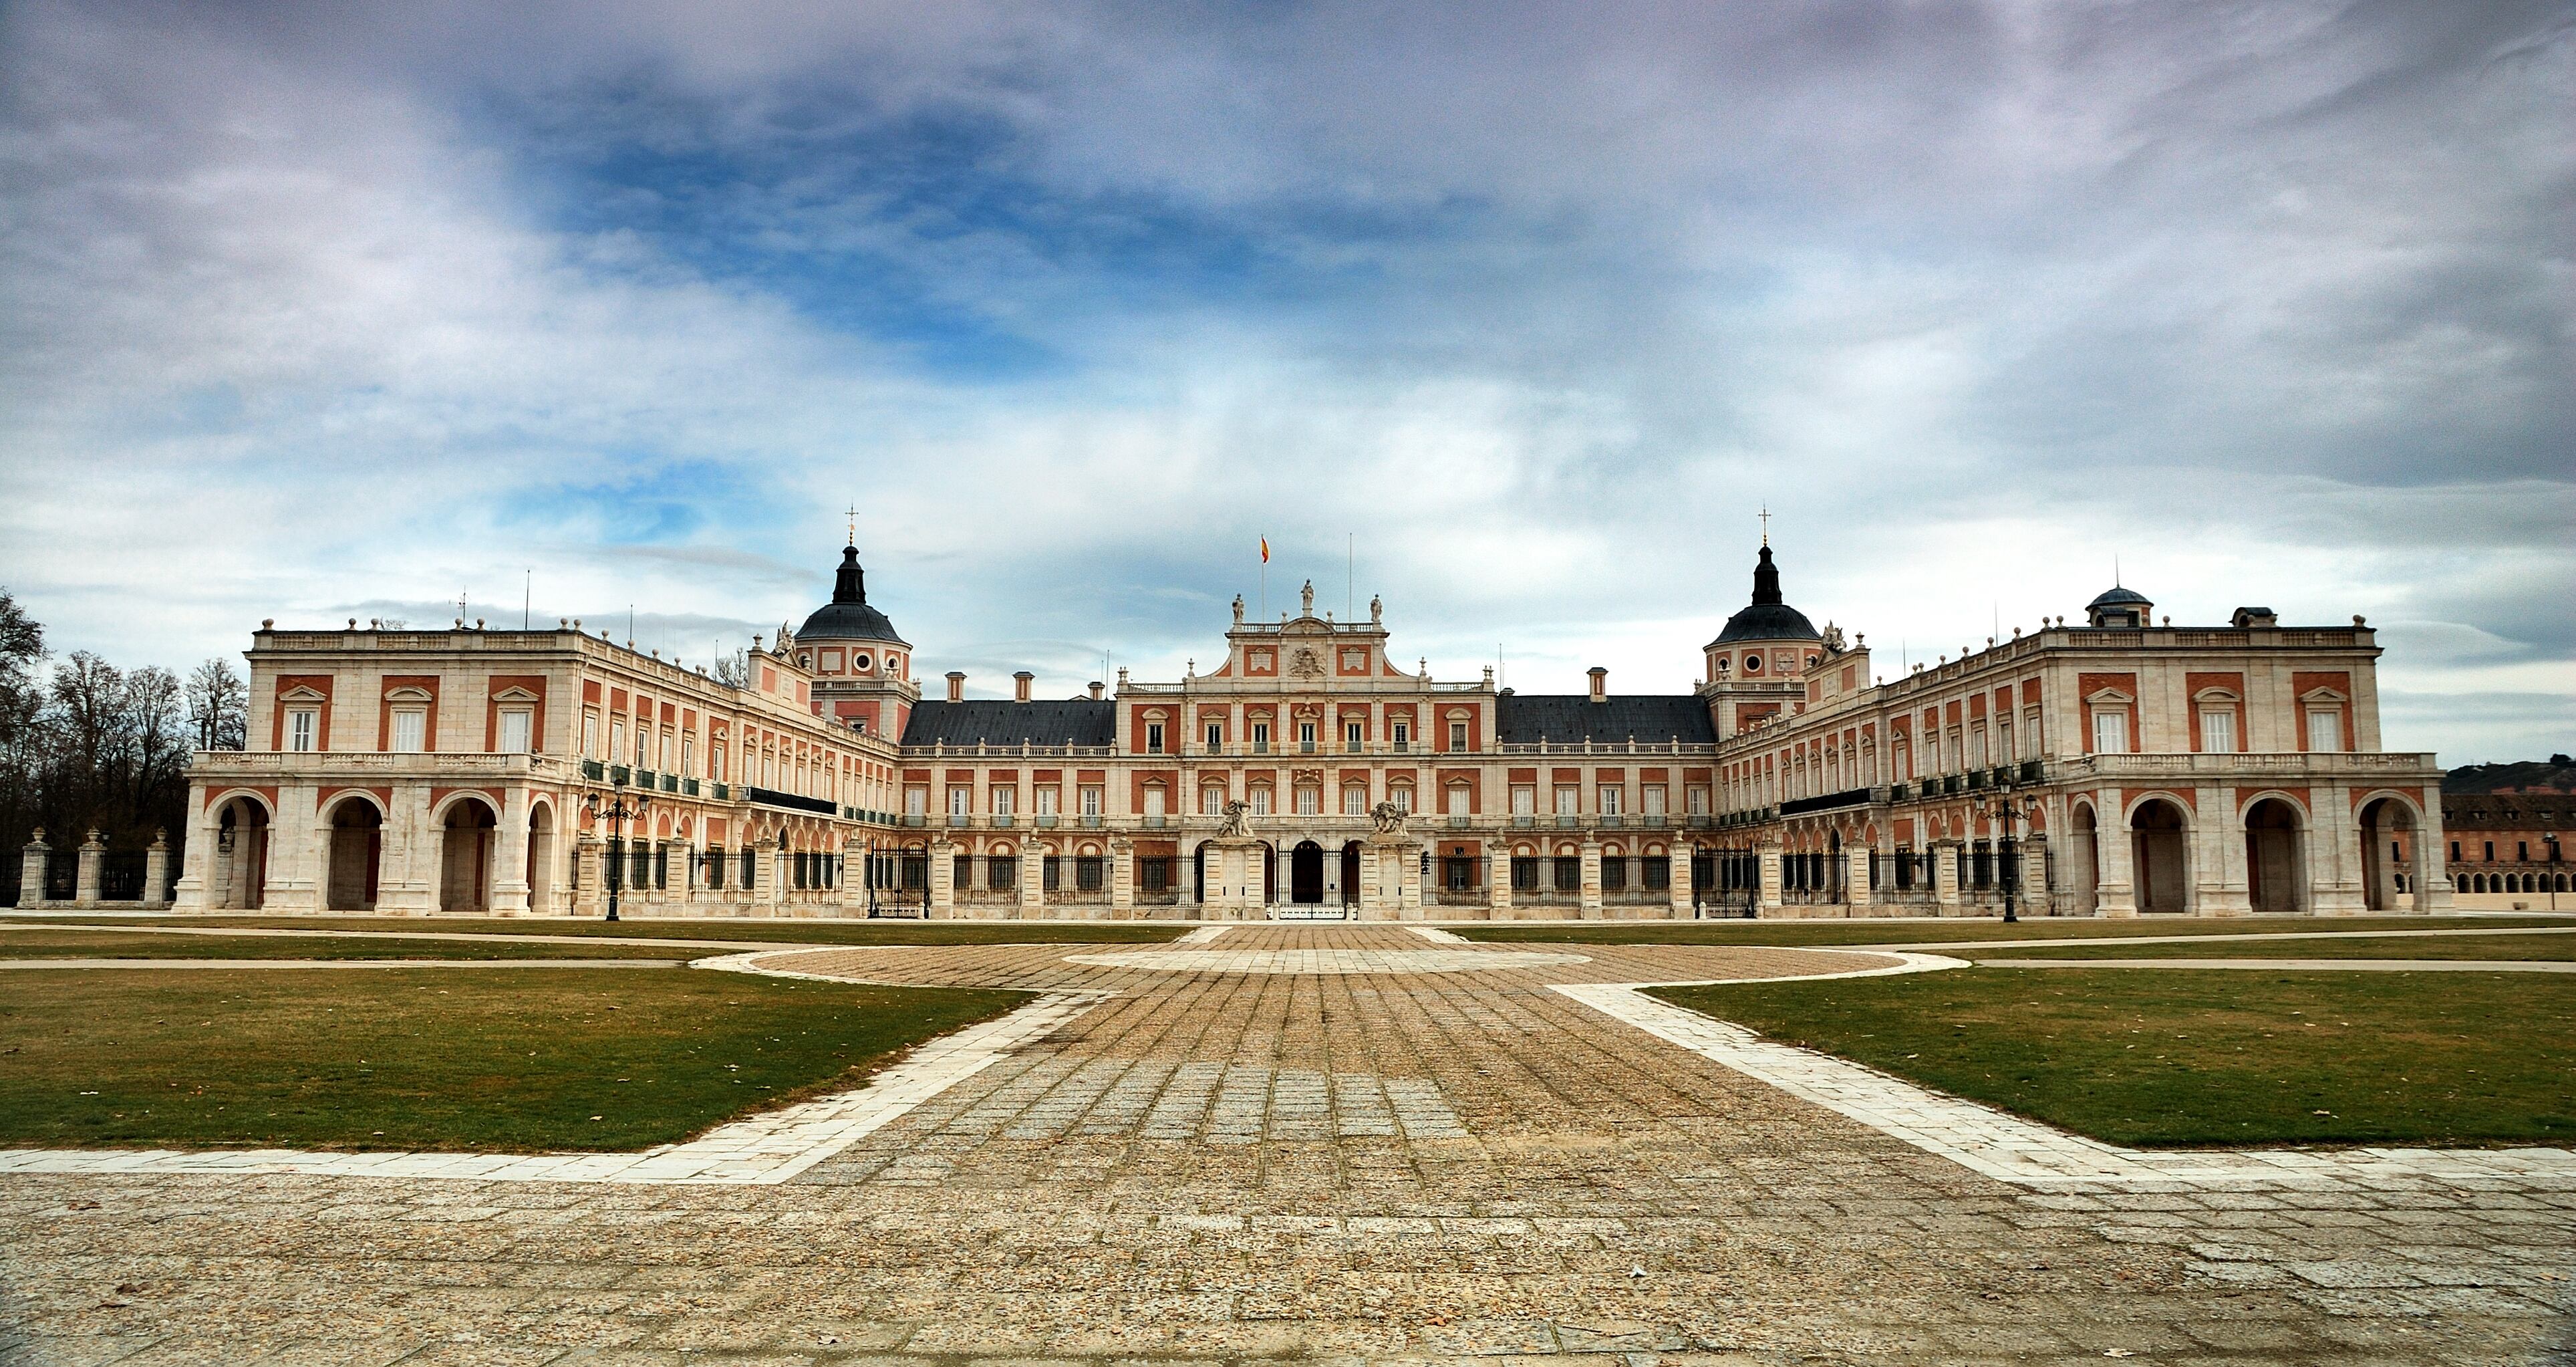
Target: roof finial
[[854, 524], [2115, 571], [1766, 524]]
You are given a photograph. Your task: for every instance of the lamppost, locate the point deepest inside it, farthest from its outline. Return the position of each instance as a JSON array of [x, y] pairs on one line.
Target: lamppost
[[617, 810], [2005, 811]]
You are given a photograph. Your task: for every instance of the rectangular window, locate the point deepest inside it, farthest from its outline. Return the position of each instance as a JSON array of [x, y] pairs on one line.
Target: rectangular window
[[689, 754], [1354, 736], [716, 765], [1402, 797], [1261, 738], [958, 799], [915, 802], [1524, 801], [1046, 804], [1654, 797], [1091, 804], [1569, 873], [1457, 735], [1310, 801], [1154, 802], [2490, 851], [1215, 736], [408, 727], [616, 742], [515, 728], [1153, 738], [590, 735], [1305, 738], [1658, 873], [1699, 802], [2325, 729], [1610, 801], [302, 726], [1402, 736], [1211, 802], [1568, 801], [1355, 801], [1524, 873], [1005, 801], [1260, 802], [1458, 799], [2218, 731], [2110, 732], [1614, 873]]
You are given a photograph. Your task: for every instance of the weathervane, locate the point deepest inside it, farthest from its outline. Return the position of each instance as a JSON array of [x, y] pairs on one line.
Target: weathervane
[[1766, 524]]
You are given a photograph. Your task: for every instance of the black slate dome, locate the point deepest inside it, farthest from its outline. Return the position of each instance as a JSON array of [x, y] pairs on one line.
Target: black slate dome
[[1767, 618], [2117, 597], [848, 617]]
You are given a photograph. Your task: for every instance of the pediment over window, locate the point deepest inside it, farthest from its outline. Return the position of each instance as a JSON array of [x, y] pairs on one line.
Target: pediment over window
[[514, 695], [302, 693], [2215, 695], [2323, 695], [2109, 697], [408, 695]]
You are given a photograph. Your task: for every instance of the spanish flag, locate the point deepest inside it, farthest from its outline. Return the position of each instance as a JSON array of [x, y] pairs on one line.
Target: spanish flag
[[1265, 550]]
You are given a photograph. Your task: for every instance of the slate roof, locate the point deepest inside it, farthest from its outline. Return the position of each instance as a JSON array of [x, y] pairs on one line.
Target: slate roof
[[1076, 721], [848, 617], [1566, 718]]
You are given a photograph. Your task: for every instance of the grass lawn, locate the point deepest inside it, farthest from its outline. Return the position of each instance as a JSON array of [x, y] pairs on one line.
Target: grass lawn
[[521, 1059], [2184, 1057], [51, 943], [1923, 931], [2549, 947], [763, 931]]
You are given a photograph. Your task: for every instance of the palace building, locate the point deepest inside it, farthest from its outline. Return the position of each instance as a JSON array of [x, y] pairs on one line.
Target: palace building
[[2117, 766]]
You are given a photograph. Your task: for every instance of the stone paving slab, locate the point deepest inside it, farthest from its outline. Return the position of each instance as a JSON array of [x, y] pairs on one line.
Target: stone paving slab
[[1330, 1168]]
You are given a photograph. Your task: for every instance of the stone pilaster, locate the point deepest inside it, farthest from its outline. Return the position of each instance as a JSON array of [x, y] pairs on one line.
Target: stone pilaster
[[1677, 864], [1945, 875], [1122, 876], [31, 875], [156, 870], [1767, 862], [1856, 889], [943, 880], [93, 864], [510, 855], [1590, 907]]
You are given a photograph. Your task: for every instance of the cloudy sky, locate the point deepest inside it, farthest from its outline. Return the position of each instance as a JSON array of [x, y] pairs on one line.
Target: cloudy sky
[[1513, 315]]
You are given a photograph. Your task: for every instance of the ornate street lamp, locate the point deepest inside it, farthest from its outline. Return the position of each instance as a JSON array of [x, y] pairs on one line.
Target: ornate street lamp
[[617, 810], [2006, 810]]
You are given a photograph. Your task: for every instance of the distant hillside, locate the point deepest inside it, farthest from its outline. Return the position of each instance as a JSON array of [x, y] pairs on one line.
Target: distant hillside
[[2554, 774]]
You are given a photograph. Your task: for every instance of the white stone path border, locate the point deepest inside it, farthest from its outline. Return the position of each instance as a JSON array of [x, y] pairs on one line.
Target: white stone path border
[[759, 1150], [2010, 1148]]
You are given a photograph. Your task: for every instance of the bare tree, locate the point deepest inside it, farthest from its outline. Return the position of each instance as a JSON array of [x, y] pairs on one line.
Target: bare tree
[[218, 705], [733, 669]]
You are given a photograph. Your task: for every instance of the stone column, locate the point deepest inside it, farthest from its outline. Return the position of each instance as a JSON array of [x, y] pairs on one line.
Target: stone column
[[1945, 874], [588, 871], [156, 870], [943, 880], [1498, 882], [510, 855], [1856, 889], [2220, 886], [1032, 882], [1122, 876], [1590, 907], [31, 874], [293, 851], [2115, 890], [93, 862], [1677, 860], [408, 854], [1767, 862], [190, 894], [2431, 876], [2334, 853], [2037, 898]]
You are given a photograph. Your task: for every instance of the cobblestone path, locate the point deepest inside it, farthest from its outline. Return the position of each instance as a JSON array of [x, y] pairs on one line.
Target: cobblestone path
[[1325, 1165]]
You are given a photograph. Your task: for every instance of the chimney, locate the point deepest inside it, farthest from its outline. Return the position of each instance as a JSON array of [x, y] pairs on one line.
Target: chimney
[[957, 685], [1096, 686], [1020, 685], [1600, 684]]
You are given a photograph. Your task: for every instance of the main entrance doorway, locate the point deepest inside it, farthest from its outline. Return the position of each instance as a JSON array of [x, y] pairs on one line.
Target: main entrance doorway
[[1306, 887]]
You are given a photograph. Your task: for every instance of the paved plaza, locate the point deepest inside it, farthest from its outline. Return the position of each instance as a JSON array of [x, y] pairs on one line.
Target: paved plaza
[[1323, 1143]]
